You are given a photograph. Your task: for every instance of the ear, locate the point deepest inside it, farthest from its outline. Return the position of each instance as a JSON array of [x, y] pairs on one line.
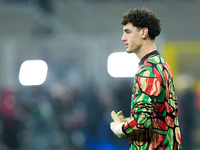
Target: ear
[[145, 32]]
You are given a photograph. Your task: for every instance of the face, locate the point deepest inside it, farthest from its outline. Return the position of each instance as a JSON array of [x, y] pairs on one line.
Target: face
[[132, 38]]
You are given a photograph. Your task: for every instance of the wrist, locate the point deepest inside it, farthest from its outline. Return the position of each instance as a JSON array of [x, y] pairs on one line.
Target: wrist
[[117, 129]]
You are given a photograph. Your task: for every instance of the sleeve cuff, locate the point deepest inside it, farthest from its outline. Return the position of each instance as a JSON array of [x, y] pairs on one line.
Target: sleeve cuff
[[123, 130]]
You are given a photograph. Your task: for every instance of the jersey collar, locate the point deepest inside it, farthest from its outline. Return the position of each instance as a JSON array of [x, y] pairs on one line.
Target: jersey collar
[[147, 55]]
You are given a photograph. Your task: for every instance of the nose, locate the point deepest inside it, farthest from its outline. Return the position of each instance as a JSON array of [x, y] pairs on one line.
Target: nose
[[123, 38]]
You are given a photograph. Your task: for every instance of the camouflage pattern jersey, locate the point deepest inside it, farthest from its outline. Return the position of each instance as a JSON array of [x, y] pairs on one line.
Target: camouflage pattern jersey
[[154, 111]]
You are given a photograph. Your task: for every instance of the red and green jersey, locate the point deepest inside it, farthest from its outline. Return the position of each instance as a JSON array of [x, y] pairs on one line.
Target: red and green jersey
[[154, 111]]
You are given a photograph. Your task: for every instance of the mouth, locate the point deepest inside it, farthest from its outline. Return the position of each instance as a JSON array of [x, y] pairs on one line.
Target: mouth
[[126, 45]]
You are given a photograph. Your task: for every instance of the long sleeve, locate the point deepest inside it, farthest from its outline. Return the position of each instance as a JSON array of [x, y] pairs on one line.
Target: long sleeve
[[145, 90]]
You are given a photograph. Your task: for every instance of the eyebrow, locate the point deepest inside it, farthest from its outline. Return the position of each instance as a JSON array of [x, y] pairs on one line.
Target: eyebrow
[[126, 30]]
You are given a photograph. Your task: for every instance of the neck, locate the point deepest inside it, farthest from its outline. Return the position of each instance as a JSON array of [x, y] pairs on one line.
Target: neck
[[147, 47]]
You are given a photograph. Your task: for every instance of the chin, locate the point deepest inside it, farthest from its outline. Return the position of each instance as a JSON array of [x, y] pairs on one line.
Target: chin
[[128, 51]]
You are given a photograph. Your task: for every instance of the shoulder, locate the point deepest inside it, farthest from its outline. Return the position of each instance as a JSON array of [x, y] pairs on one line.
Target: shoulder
[[152, 67], [156, 59], [151, 63]]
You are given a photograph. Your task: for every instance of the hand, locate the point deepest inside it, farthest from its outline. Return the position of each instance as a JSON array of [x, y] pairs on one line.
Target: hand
[[117, 129], [121, 116], [116, 126]]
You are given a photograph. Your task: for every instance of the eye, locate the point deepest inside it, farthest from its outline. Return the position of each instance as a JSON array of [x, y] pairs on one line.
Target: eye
[[128, 31]]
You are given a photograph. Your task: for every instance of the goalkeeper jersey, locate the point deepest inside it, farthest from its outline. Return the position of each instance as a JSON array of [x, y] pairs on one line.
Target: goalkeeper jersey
[[154, 111]]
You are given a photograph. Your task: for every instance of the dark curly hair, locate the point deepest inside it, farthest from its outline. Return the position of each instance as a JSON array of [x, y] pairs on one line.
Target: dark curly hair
[[143, 17]]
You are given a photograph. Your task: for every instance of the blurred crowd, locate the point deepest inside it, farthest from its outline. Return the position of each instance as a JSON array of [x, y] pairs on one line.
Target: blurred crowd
[[188, 92], [59, 117]]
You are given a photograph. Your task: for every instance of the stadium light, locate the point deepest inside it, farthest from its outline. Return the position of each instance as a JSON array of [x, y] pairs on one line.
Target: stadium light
[[33, 72], [122, 64]]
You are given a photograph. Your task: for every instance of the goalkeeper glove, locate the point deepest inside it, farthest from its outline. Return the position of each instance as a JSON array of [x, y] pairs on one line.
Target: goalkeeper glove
[[117, 125]]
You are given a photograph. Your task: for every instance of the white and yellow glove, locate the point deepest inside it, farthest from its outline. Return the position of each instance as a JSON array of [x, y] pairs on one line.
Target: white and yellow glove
[[121, 116], [116, 125]]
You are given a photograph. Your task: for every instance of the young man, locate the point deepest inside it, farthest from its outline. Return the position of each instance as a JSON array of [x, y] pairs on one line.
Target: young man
[[153, 123]]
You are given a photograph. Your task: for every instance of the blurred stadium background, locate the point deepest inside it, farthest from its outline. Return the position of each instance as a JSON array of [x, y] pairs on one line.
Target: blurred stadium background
[[71, 109]]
